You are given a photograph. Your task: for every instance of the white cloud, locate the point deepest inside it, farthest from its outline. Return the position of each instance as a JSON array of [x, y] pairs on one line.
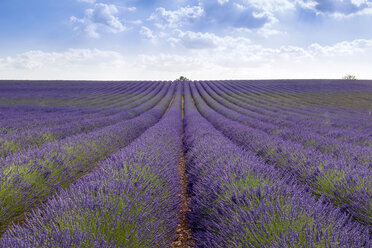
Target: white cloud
[[222, 2], [237, 57], [131, 8], [73, 63], [337, 8], [87, 1], [237, 51], [267, 32], [136, 22], [194, 40], [229, 57], [343, 48], [147, 33], [166, 18], [168, 62], [359, 2], [223, 14], [103, 17], [272, 6]]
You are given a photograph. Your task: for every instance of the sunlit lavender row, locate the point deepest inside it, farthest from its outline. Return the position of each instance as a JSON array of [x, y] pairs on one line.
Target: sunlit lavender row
[[235, 163]]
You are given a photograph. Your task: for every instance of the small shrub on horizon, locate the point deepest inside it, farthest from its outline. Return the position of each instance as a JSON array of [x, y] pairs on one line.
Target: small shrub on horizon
[[182, 78], [349, 77]]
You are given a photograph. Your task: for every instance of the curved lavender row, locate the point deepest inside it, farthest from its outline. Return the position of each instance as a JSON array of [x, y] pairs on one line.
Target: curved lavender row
[[83, 113], [15, 142], [290, 118], [345, 186], [238, 201], [342, 98], [99, 96], [354, 162], [359, 159], [300, 110], [354, 120], [27, 114], [55, 117], [289, 114], [305, 93], [248, 93], [102, 99], [351, 154], [54, 93], [65, 98], [113, 99], [29, 178], [130, 200]]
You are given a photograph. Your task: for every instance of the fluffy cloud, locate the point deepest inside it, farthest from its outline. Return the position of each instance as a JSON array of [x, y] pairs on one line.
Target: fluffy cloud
[[234, 57], [73, 63], [271, 6], [343, 48], [131, 8], [251, 14], [168, 62], [103, 17], [337, 7], [207, 41], [87, 1], [194, 40], [147, 33], [166, 18], [237, 50], [237, 14], [223, 57]]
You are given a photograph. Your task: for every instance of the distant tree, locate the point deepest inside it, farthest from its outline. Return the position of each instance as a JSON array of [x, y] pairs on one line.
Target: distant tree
[[182, 78], [349, 77]]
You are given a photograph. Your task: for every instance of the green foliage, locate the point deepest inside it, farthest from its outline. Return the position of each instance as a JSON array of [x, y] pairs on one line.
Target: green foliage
[[183, 79], [349, 77]]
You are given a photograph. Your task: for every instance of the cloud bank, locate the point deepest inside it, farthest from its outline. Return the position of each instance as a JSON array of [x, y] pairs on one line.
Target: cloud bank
[[101, 18], [228, 57]]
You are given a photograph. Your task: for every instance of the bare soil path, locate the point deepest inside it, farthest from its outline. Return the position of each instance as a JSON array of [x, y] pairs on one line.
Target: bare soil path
[[184, 238]]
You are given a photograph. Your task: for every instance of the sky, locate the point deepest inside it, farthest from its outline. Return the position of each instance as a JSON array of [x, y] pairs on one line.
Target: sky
[[199, 39]]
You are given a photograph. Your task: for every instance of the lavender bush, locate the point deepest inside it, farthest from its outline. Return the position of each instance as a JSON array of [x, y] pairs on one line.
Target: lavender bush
[[233, 163]]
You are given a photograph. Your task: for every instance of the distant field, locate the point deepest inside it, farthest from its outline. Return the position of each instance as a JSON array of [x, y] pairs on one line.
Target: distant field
[[235, 163]]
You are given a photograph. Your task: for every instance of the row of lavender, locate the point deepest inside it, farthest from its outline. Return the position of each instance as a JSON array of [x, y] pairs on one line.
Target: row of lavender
[[293, 103], [18, 117], [309, 96], [333, 125], [343, 177], [238, 200], [132, 199], [254, 178], [55, 93], [75, 123], [21, 117], [33, 175], [293, 130]]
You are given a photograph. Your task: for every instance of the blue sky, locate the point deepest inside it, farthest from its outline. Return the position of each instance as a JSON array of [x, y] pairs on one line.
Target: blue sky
[[201, 39]]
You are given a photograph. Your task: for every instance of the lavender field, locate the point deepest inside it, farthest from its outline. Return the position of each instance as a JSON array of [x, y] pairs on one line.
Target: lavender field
[[236, 163]]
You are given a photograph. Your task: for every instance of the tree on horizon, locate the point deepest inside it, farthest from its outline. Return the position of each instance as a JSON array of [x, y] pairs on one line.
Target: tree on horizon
[[349, 77], [182, 78]]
